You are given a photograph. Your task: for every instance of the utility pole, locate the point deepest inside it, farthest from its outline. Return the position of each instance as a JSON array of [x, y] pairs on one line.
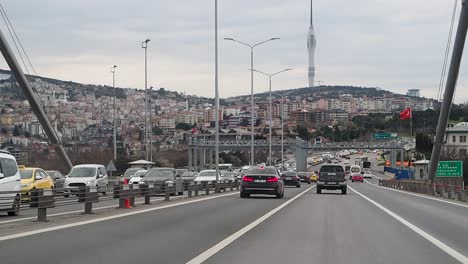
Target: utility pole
[[144, 45], [452, 78], [216, 94], [114, 124], [150, 124]]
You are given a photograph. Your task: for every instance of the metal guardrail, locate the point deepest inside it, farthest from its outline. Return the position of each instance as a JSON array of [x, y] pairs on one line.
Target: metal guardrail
[[42, 199], [447, 191]]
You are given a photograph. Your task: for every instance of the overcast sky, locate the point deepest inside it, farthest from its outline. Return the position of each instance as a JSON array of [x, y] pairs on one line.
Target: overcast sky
[[394, 45]]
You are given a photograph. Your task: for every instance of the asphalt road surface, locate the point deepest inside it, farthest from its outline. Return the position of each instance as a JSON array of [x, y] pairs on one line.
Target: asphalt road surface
[[305, 227]]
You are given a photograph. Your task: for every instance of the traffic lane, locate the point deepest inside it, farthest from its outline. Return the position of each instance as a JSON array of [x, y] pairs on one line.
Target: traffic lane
[[172, 235], [331, 228], [445, 221], [73, 207]]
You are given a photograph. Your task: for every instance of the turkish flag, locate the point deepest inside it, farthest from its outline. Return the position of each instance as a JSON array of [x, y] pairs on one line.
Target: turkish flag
[[406, 114]]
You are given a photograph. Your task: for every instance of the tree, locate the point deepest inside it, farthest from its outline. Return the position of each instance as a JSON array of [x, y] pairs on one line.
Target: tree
[[16, 131], [157, 131], [183, 126], [302, 132]]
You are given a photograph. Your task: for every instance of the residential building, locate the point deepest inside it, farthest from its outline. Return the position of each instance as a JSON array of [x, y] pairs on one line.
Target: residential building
[[457, 139]]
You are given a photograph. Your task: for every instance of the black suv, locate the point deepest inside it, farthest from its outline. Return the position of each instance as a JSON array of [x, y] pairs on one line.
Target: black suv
[[331, 177]]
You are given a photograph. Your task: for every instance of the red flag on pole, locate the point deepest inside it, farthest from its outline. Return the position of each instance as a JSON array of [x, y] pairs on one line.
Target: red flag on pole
[[406, 114]]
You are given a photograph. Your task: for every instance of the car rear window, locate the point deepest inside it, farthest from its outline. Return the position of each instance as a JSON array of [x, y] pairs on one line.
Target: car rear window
[[262, 171], [331, 169], [289, 173]]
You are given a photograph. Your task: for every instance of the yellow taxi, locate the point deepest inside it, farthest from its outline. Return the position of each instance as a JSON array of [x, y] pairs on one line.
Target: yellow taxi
[[33, 178], [313, 176]]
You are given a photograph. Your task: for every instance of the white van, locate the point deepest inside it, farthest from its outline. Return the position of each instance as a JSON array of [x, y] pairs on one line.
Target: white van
[[93, 175], [10, 184]]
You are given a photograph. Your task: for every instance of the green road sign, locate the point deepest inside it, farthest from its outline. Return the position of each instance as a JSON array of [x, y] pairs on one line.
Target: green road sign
[[385, 135], [451, 168]]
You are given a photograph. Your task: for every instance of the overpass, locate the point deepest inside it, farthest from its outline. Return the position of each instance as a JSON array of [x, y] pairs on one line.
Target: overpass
[[201, 148]]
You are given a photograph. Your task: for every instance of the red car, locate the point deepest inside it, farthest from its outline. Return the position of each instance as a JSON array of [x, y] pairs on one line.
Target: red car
[[357, 177]]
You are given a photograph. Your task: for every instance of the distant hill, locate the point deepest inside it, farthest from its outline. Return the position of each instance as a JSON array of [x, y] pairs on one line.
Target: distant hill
[[74, 88], [329, 91]]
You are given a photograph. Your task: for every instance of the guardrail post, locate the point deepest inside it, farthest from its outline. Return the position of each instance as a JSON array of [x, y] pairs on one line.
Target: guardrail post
[[189, 190], [197, 187], [167, 193], [90, 196], [133, 193], [42, 199], [147, 192], [231, 186], [207, 187]]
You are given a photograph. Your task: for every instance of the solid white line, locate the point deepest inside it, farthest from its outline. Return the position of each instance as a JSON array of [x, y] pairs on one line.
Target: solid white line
[[224, 243], [419, 195], [452, 252], [68, 212], [92, 221]]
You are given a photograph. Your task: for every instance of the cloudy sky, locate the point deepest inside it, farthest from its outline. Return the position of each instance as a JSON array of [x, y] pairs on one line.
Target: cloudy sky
[[394, 45]]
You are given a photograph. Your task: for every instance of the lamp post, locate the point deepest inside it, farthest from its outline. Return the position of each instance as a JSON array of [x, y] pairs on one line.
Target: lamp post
[[252, 148], [282, 127], [150, 124], [144, 45], [271, 107], [113, 113], [216, 95]]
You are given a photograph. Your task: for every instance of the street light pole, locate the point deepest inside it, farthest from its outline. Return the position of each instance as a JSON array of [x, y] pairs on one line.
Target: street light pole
[[252, 115], [150, 124], [113, 114], [216, 95], [282, 127], [144, 45], [271, 108]]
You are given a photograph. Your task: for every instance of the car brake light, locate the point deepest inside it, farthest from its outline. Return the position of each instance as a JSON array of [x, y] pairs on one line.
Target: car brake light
[[272, 179], [247, 179]]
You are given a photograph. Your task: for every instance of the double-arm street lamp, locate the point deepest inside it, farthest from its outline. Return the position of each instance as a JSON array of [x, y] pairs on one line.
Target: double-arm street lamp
[[270, 121], [252, 148]]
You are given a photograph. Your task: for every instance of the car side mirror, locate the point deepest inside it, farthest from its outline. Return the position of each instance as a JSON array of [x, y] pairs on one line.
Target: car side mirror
[[39, 177], [2, 175], [100, 176]]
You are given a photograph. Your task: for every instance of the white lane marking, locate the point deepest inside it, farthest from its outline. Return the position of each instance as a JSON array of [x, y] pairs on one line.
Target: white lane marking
[[452, 252], [92, 221], [224, 243], [376, 176], [419, 195], [68, 212]]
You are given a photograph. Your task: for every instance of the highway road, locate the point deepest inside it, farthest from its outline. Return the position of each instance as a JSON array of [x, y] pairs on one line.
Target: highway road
[[369, 225]]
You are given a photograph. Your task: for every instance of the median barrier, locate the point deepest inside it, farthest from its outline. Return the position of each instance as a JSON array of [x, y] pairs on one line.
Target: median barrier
[[42, 199], [443, 190]]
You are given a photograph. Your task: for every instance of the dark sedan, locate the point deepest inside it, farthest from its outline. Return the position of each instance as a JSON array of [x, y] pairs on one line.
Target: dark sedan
[[58, 178], [290, 178], [189, 176], [262, 180], [162, 176], [305, 176]]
